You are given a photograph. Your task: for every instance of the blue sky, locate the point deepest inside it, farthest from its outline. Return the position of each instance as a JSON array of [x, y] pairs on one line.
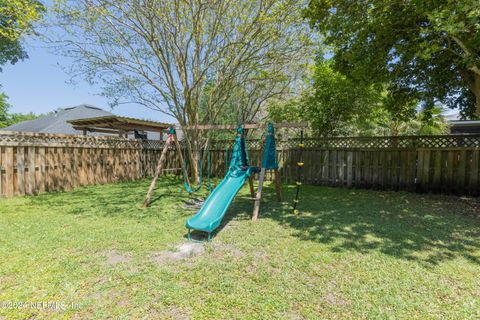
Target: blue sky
[[39, 85]]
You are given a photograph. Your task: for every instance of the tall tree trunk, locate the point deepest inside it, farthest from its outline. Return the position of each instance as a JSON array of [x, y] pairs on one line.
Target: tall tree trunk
[[193, 155], [196, 165], [193, 138], [476, 92], [473, 81]]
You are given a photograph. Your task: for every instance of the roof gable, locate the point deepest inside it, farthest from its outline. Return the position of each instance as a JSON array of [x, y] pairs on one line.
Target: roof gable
[[57, 122]]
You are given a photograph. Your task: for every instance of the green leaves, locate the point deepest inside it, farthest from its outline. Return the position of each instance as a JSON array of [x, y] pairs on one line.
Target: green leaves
[[4, 106], [6, 118], [16, 20], [337, 105], [428, 49], [336, 102]]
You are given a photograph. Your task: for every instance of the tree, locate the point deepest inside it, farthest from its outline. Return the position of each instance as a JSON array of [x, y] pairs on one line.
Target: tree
[[425, 122], [6, 118], [16, 20], [3, 110], [432, 121], [428, 50], [336, 105], [185, 58], [332, 103]]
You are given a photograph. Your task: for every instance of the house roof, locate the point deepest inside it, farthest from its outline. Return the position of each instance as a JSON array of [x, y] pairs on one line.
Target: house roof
[[465, 123], [112, 122], [58, 122]]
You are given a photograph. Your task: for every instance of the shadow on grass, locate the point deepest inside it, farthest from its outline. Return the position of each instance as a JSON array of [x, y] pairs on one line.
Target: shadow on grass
[[407, 226], [119, 199]]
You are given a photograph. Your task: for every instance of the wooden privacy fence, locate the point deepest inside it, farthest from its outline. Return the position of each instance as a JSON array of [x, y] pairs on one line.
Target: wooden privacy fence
[[36, 163], [442, 164]]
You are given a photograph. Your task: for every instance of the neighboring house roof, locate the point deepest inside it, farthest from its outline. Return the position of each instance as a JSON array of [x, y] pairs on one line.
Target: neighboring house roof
[[465, 123], [464, 126], [112, 122], [57, 121]]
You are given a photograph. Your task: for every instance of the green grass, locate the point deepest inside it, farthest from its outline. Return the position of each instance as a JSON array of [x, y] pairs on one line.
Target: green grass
[[351, 254]]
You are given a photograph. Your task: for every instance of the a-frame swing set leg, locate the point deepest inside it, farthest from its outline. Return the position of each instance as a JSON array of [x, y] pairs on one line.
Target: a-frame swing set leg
[[180, 156], [158, 171], [258, 197], [172, 139], [269, 162], [278, 185], [252, 188]]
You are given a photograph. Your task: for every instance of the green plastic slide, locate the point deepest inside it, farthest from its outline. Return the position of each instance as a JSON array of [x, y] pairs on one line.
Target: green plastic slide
[[210, 215]]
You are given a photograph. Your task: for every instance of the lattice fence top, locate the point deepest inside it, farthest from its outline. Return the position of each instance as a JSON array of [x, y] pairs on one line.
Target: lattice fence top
[[8, 138], [402, 142]]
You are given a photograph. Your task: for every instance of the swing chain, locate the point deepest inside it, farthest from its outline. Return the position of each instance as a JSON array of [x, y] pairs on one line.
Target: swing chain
[[298, 183], [185, 174]]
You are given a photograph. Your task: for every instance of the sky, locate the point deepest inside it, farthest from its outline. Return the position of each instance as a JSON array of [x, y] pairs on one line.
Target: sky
[[39, 85]]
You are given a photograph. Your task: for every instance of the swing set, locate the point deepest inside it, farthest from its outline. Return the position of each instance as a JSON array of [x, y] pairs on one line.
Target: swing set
[[186, 181], [239, 166]]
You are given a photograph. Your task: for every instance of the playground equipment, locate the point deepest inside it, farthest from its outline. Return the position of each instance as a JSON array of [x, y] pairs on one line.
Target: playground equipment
[[186, 182], [269, 162], [213, 210], [300, 163], [210, 215], [171, 140]]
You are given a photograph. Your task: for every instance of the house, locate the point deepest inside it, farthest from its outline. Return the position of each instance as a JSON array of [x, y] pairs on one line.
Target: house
[[458, 126], [464, 126], [56, 122], [59, 122]]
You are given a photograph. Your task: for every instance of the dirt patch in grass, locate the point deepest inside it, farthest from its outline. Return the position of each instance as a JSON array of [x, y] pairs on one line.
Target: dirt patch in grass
[[76, 316], [171, 312], [223, 249], [291, 316], [193, 204], [175, 313], [333, 297], [124, 302], [115, 257], [181, 252]]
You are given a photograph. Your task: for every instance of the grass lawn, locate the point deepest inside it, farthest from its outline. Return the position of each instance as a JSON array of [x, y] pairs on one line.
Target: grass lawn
[[351, 254]]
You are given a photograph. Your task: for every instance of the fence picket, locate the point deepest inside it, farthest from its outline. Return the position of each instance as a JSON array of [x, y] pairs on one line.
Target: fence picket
[[30, 176], [461, 172], [474, 170], [21, 170], [8, 167], [437, 170], [40, 176]]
